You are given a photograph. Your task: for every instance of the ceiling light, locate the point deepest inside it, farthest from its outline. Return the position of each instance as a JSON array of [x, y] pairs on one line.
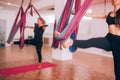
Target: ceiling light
[[1, 7], [8, 3]]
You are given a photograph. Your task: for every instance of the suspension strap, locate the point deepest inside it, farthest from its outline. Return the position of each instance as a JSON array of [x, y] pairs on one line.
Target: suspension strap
[[104, 6], [70, 28], [21, 23], [63, 21], [75, 32], [20, 12]]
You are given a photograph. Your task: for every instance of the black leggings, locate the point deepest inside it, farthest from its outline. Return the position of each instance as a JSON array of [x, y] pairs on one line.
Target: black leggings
[[38, 46], [115, 48], [100, 42], [109, 43]]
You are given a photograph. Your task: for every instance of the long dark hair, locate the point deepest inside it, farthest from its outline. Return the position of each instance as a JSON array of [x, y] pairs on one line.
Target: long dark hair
[[117, 18]]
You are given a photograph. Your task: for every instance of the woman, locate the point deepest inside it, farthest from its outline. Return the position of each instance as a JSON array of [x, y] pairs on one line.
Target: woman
[[37, 41], [109, 43]]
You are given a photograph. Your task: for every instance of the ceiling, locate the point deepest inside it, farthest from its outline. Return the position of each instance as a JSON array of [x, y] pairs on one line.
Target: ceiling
[[15, 4], [39, 4]]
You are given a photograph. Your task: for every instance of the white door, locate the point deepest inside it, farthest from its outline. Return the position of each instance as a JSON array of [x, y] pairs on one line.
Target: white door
[[3, 24]]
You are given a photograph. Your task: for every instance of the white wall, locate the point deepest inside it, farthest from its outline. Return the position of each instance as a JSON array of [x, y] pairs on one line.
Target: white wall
[[90, 27], [98, 27], [87, 26], [9, 16], [48, 16], [95, 26], [3, 24]]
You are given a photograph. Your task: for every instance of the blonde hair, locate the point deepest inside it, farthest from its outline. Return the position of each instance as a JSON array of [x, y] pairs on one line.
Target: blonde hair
[[43, 21]]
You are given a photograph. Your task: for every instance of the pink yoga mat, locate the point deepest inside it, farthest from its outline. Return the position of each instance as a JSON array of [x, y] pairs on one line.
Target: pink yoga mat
[[25, 68]]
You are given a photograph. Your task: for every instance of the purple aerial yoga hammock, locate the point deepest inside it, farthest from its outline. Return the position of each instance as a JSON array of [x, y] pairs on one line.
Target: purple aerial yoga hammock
[[21, 23], [62, 22], [75, 32], [21, 11], [67, 29]]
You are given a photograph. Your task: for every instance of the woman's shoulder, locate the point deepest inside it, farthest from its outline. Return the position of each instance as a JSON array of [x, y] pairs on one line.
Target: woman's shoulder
[[112, 14], [108, 13], [36, 24]]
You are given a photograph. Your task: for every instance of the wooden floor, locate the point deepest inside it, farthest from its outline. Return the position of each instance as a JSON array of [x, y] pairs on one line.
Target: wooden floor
[[83, 66]]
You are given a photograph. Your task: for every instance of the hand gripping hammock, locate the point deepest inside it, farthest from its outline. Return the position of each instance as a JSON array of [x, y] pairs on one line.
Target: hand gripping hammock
[[69, 29]]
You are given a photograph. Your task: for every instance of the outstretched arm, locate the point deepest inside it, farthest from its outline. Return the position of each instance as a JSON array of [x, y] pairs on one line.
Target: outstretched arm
[[31, 27], [92, 15], [99, 16]]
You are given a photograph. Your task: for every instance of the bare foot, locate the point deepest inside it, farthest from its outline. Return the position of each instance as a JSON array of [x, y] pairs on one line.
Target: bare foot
[[39, 66], [11, 43], [68, 43]]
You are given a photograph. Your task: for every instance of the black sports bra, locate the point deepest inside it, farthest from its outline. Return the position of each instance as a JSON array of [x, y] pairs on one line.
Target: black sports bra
[[110, 20]]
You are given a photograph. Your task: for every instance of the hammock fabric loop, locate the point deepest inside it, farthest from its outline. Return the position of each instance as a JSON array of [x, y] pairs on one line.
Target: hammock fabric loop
[[21, 22], [22, 2], [66, 29]]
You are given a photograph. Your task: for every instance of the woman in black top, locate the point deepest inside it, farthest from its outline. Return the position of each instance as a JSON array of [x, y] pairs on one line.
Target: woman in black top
[[111, 42], [37, 41]]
